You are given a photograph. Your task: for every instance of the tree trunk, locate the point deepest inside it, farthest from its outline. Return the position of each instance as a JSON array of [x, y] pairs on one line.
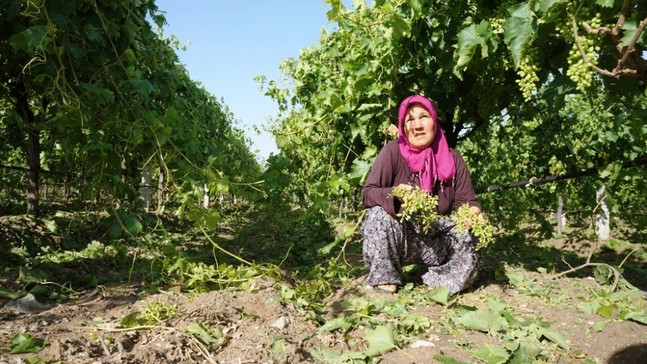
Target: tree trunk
[[33, 148], [205, 198], [602, 217], [146, 187], [560, 214]]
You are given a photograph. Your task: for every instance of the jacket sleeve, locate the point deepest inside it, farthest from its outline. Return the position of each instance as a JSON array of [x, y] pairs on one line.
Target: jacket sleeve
[[379, 183], [464, 191]]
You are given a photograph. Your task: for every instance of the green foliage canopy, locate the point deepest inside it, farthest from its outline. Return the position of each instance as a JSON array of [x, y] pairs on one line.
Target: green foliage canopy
[[523, 88]]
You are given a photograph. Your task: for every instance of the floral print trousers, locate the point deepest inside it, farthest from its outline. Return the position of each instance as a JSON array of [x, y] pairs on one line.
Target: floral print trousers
[[451, 258]]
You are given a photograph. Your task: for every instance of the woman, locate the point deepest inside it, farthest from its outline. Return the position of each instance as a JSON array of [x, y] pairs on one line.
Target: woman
[[419, 157]]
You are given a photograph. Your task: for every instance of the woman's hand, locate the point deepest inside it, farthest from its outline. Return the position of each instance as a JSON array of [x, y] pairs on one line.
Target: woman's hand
[[405, 187], [478, 214]]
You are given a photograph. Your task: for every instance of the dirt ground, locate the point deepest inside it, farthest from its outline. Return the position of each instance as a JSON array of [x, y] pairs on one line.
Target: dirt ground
[[88, 330], [253, 326]]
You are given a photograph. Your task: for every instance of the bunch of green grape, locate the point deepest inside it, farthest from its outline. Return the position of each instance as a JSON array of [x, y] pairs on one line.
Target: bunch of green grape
[[596, 22], [497, 25], [528, 73], [418, 206], [579, 69], [480, 228]]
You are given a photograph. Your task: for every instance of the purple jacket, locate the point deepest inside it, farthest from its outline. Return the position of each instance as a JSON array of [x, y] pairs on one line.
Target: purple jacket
[[390, 170]]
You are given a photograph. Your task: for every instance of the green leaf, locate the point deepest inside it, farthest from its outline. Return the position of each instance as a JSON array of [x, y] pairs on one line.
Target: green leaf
[[520, 356], [469, 40], [483, 320], [518, 30], [51, 225], [553, 336], [638, 316], [449, 360], [439, 295], [492, 354], [337, 323], [359, 170], [133, 225], [5, 293], [380, 340], [605, 310], [211, 219], [603, 274], [599, 326], [24, 343], [630, 27], [211, 336], [590, 307], [605, 3], [545, 5], [130, 320], [31, 39]]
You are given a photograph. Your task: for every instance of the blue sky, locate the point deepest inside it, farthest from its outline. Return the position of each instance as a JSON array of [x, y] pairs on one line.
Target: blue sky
[[232, 41]]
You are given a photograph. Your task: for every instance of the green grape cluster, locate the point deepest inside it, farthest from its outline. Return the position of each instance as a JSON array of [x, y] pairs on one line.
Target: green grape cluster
[[565, 29], [418, 206], [497, 25], [528, 73], [579, 70], [480, 228], [596, 22]]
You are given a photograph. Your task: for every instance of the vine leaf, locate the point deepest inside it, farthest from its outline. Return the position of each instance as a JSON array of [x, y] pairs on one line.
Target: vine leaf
[[518, 30], [483, 320], [521, 356], [337, 323], [448, 360], [360, 170], [380, 340], [545, 5], [24, 343], [605, 3], [469, 40], [211, 336], [492, 354], [553, 336], [439, 295], [638, 316]]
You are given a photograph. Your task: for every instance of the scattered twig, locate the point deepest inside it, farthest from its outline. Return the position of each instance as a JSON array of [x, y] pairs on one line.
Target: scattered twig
[[342, 253], [202, 349], [104, 346], [588, 263]]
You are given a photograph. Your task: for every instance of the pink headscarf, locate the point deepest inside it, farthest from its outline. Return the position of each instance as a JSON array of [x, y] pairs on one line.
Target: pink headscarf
[[434, 162]]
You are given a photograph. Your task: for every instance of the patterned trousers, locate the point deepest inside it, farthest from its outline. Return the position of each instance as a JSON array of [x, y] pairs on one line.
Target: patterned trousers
[[389, 245]]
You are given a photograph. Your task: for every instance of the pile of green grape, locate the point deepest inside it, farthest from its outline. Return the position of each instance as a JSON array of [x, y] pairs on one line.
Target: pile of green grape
[[419, 207]]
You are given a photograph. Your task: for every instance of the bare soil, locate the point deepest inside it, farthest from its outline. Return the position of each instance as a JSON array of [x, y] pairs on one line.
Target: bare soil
[[87, 331]]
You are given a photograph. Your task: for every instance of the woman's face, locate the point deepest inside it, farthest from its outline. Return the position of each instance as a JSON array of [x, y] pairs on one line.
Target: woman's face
[[419, 127]]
